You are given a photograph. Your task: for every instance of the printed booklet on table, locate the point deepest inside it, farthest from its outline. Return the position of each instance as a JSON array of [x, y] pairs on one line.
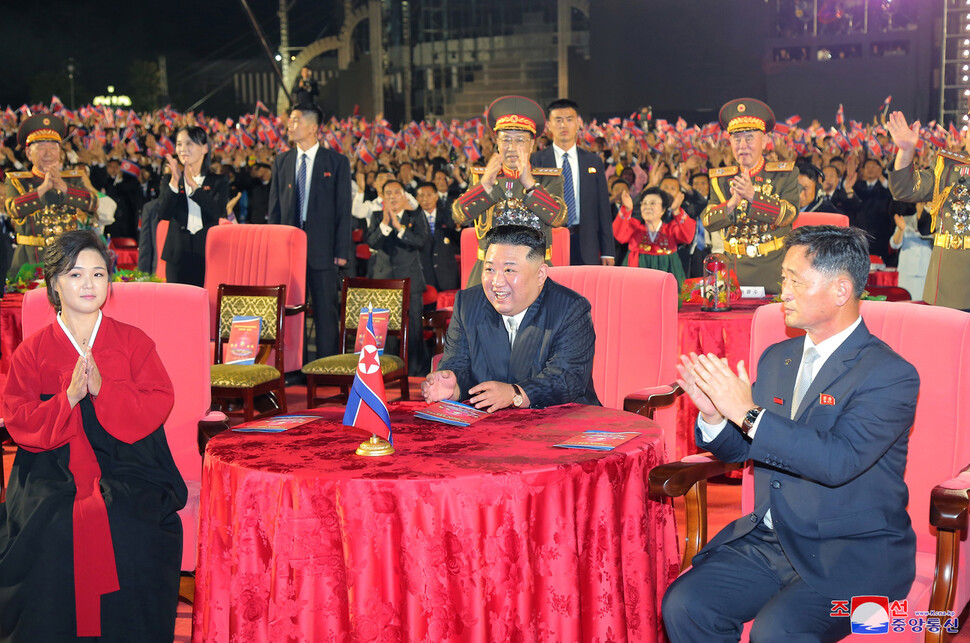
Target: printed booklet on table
[[449, 412], [276, 424], [598, 440]]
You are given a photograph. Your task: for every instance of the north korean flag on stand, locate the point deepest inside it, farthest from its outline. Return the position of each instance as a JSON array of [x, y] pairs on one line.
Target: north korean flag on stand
[[367, 403]]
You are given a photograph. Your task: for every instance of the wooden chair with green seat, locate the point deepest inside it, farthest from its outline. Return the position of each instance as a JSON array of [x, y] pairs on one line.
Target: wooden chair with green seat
[[247, 381], [338, 370]]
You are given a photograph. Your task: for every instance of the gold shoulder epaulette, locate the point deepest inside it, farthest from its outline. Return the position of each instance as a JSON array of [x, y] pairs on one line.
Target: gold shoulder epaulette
[[780, 166], [546, 171], [954, 156], [730, 170], [479, 170], [72, 174], [25, 174]]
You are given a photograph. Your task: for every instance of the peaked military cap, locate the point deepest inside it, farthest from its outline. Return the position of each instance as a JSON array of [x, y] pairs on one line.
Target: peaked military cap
[[745, 114], [41, 127], [516, 113]]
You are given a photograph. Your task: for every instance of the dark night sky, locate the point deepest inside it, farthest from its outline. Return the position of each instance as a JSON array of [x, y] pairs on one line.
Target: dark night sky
[[104, 36]]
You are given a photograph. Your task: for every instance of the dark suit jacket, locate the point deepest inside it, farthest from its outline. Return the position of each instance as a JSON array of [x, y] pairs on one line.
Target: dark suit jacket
[[833, 477], [211, 196], [552, 359], [399, 258], [595, 220], [438, 257], [328, 211]]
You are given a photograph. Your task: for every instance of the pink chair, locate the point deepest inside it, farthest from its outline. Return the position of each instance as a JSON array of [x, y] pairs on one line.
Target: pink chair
[[821, 218], [635, 318], [161, 231], [469, 250], [261, 255], [938, 468], [176, 317]]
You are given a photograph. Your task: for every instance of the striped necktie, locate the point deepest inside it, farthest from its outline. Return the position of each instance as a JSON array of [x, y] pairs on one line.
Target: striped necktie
[[301, 188], [568, 191]]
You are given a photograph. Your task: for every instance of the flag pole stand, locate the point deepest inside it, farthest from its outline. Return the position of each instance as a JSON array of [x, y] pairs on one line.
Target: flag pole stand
[[375, 446]]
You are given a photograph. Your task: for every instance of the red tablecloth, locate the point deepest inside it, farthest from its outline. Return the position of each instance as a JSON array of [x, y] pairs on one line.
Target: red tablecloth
[[725, 334], [883, 278], [11, 328], [483, 533]]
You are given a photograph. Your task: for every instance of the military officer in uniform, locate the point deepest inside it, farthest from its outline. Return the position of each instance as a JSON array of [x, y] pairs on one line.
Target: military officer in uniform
[[753, 203], [947, 187], [47, 200], [509, 191]]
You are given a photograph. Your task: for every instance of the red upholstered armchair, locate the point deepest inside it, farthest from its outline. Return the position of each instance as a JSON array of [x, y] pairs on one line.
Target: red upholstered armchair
[[936, 341], [821, 218], [635, 319], [176, 317], [261, 255]]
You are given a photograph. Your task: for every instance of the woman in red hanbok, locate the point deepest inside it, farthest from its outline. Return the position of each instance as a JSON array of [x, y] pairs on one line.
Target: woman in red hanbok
[[652, 243], [90, 542]]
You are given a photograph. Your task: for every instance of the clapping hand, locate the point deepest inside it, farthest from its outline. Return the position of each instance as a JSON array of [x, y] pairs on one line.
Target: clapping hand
[[78, 387], [93, 379], [439, 385], [173, 169]]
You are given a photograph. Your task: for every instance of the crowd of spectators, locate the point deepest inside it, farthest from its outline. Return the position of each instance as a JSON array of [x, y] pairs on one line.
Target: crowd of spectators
[[125, 152]]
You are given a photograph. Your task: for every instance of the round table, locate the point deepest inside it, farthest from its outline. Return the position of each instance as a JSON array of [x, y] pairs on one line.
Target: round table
[[481, 533]]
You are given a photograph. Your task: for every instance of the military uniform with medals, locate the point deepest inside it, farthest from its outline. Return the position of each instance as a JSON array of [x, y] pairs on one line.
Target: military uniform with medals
[[36, 219], [508, 203], [754, 232], [947, 187]]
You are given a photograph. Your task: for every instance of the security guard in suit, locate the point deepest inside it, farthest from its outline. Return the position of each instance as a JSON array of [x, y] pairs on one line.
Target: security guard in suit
[[753, 204], [947, 187], [509, 191], [46, 201]]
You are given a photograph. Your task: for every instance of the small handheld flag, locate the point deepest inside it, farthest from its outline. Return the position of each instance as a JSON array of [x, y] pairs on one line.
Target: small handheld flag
[[367, 403]]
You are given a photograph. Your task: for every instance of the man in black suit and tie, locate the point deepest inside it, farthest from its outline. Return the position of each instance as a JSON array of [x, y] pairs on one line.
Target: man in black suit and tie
[[588, 206], [310, 189], [398, 238], [827, 428], [438, 257], [521, 340]]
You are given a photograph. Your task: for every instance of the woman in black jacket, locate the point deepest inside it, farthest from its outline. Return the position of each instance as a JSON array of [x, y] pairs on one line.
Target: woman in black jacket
[[193, 202]]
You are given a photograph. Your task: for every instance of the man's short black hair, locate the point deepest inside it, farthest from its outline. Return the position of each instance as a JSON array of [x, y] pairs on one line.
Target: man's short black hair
[[391, 182], [563, 103], [835, 250], [426, 184], [518, 235], [809, 170], [310, 108]]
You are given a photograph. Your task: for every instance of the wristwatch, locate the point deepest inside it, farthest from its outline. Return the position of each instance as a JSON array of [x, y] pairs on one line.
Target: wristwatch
[[517, 396], [750, 418]]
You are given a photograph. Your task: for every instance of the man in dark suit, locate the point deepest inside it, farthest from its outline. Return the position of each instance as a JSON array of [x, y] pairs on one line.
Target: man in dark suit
[[322, 208], [397, 239], [438, 257], [306, 89], [520, 340], [827, 428], [590, 222], [874, 213]]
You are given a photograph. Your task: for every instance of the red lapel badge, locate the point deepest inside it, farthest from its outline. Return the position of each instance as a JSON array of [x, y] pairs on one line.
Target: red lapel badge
[[826, 400], [326, 174], [778, 400]]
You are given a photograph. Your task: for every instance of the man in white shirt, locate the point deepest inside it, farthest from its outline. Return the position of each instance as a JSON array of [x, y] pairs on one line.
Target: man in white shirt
[[310, 189], [827, 429], [585, 191]]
